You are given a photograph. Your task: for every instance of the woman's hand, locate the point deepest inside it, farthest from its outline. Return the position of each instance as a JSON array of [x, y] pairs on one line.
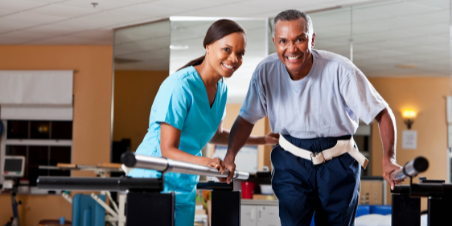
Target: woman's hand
[[271, 138], [215, 163]]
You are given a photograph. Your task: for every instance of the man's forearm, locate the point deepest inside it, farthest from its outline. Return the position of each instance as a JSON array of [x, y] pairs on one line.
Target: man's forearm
[[223, 139], [388, 131], [238, 137]]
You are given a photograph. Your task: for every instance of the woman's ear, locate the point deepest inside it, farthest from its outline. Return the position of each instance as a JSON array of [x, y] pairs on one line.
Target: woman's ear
[[207, 49]]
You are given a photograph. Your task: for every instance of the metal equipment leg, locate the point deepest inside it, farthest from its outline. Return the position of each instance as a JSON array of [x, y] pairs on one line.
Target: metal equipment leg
[[439, 211], [226, 208], [406, 210]]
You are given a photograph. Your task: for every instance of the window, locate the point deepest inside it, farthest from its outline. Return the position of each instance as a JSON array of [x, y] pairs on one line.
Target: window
[[43, 143]]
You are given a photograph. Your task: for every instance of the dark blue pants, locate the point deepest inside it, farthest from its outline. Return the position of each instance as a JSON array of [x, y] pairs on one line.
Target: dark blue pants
[[330, 190]]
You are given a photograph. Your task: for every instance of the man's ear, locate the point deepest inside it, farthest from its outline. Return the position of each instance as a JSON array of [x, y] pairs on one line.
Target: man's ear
[[313, 40]]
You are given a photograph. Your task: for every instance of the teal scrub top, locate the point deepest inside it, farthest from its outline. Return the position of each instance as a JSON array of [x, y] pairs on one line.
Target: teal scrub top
[[183, 103]]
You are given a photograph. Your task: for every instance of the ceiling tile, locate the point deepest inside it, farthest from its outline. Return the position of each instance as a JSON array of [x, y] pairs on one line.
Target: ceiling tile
[[95, 35], [8, 25], [19, 5], [24, 36], [102, 5], [62, 40], [62, 11], [188, 5], [33, 18], [149, 9]]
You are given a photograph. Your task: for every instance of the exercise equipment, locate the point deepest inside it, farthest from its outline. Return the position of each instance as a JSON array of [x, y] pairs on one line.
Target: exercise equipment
[[13, 169], [168, 165], [113, 216], [406, 203], [145, 202]]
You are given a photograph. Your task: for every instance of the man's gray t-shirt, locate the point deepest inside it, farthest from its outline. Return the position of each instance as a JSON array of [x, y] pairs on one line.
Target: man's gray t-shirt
[[328, 102]]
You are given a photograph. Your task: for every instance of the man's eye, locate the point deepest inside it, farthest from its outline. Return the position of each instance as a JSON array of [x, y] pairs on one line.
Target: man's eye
[[282, 41]]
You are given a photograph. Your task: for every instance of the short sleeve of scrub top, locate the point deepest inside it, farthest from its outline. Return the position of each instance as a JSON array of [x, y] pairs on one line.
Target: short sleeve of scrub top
[[172, 103], [360, 96]]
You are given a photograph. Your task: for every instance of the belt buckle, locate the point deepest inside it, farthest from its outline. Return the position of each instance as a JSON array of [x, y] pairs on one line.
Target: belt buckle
[[315, 155]]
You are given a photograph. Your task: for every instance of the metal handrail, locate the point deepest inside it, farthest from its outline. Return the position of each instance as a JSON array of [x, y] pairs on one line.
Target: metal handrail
[[129, 159]]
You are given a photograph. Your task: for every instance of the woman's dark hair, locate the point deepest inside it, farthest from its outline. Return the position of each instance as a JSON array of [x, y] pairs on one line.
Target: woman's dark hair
[[216, 31]]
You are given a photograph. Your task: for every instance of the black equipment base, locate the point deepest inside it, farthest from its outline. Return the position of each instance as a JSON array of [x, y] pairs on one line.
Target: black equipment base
[[226, 208], [438, 211], [405, 210], [145, 209]]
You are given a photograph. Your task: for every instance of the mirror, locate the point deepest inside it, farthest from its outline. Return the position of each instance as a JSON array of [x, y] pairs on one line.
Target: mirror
[[141, 63]]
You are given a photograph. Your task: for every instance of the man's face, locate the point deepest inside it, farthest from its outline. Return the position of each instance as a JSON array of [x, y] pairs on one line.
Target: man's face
[[293, 44]]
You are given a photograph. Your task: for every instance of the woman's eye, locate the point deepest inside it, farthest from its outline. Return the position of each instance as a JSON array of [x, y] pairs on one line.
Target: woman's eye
[[226, 49]]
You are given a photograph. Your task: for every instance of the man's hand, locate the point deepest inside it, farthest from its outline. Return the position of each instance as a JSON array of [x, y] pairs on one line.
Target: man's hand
[[271, 138], [388, 168], [229, 165]]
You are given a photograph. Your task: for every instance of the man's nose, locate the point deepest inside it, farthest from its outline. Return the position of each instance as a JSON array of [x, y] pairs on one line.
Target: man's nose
[[292, 47]]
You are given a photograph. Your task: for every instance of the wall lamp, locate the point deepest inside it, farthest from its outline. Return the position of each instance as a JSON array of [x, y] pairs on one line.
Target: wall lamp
[[408, 117]]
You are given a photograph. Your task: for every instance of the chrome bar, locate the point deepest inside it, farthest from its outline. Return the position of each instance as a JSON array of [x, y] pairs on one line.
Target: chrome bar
[[410, 169], [168, 165]]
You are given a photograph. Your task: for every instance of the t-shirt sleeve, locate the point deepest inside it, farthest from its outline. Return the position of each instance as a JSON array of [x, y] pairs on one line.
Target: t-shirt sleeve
[[360, 96], [254, 106], [173, 103]]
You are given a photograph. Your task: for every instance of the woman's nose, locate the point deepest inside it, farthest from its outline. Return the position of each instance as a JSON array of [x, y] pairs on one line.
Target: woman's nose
[[233, 58]]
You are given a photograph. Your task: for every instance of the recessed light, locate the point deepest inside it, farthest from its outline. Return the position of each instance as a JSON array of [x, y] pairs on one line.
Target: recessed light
[[406, 66], [178, 47]]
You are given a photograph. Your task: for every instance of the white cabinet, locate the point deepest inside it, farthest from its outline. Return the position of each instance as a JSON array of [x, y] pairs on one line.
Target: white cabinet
[[259, 213], [268, 216], [248, 215]]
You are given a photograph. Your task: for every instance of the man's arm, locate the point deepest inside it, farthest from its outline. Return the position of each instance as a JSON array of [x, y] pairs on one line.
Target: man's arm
[[388, 131], [222, 135], [239, 134]]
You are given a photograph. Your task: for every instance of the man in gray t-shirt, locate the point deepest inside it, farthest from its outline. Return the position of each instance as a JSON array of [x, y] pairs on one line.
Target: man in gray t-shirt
[[314, 99]]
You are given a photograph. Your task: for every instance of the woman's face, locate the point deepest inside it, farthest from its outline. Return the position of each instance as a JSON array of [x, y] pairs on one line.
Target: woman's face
[[226, 54]]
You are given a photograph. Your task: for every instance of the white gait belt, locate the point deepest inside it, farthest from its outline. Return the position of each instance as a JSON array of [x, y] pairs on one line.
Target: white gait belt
[[342, 147]]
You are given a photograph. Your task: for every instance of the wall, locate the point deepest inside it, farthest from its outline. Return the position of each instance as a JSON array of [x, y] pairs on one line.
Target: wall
[[92, 110], [134, 95], [426, 95], [260, 128]]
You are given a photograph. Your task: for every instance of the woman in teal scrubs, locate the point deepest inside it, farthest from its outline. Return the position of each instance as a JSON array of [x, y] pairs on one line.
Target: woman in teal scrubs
[[188, 112]]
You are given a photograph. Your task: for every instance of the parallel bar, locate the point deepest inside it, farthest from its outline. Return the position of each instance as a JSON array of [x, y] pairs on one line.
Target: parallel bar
[[431, 190], [167, 165], [99, 184], [410, 169]]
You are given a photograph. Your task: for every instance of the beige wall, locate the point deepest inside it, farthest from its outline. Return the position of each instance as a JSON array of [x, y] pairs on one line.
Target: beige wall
[[134, 95], [260, 128], [92, 110], [427, 96]]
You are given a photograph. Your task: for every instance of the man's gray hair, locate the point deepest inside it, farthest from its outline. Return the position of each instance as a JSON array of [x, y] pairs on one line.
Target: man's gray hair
[[293, 14]]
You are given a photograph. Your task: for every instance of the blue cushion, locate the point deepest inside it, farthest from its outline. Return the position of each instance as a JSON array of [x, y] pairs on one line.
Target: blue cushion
[[363, 210], [381, 209]]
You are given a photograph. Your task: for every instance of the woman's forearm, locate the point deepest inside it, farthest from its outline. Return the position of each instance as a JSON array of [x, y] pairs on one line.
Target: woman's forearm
[[176, 154]]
